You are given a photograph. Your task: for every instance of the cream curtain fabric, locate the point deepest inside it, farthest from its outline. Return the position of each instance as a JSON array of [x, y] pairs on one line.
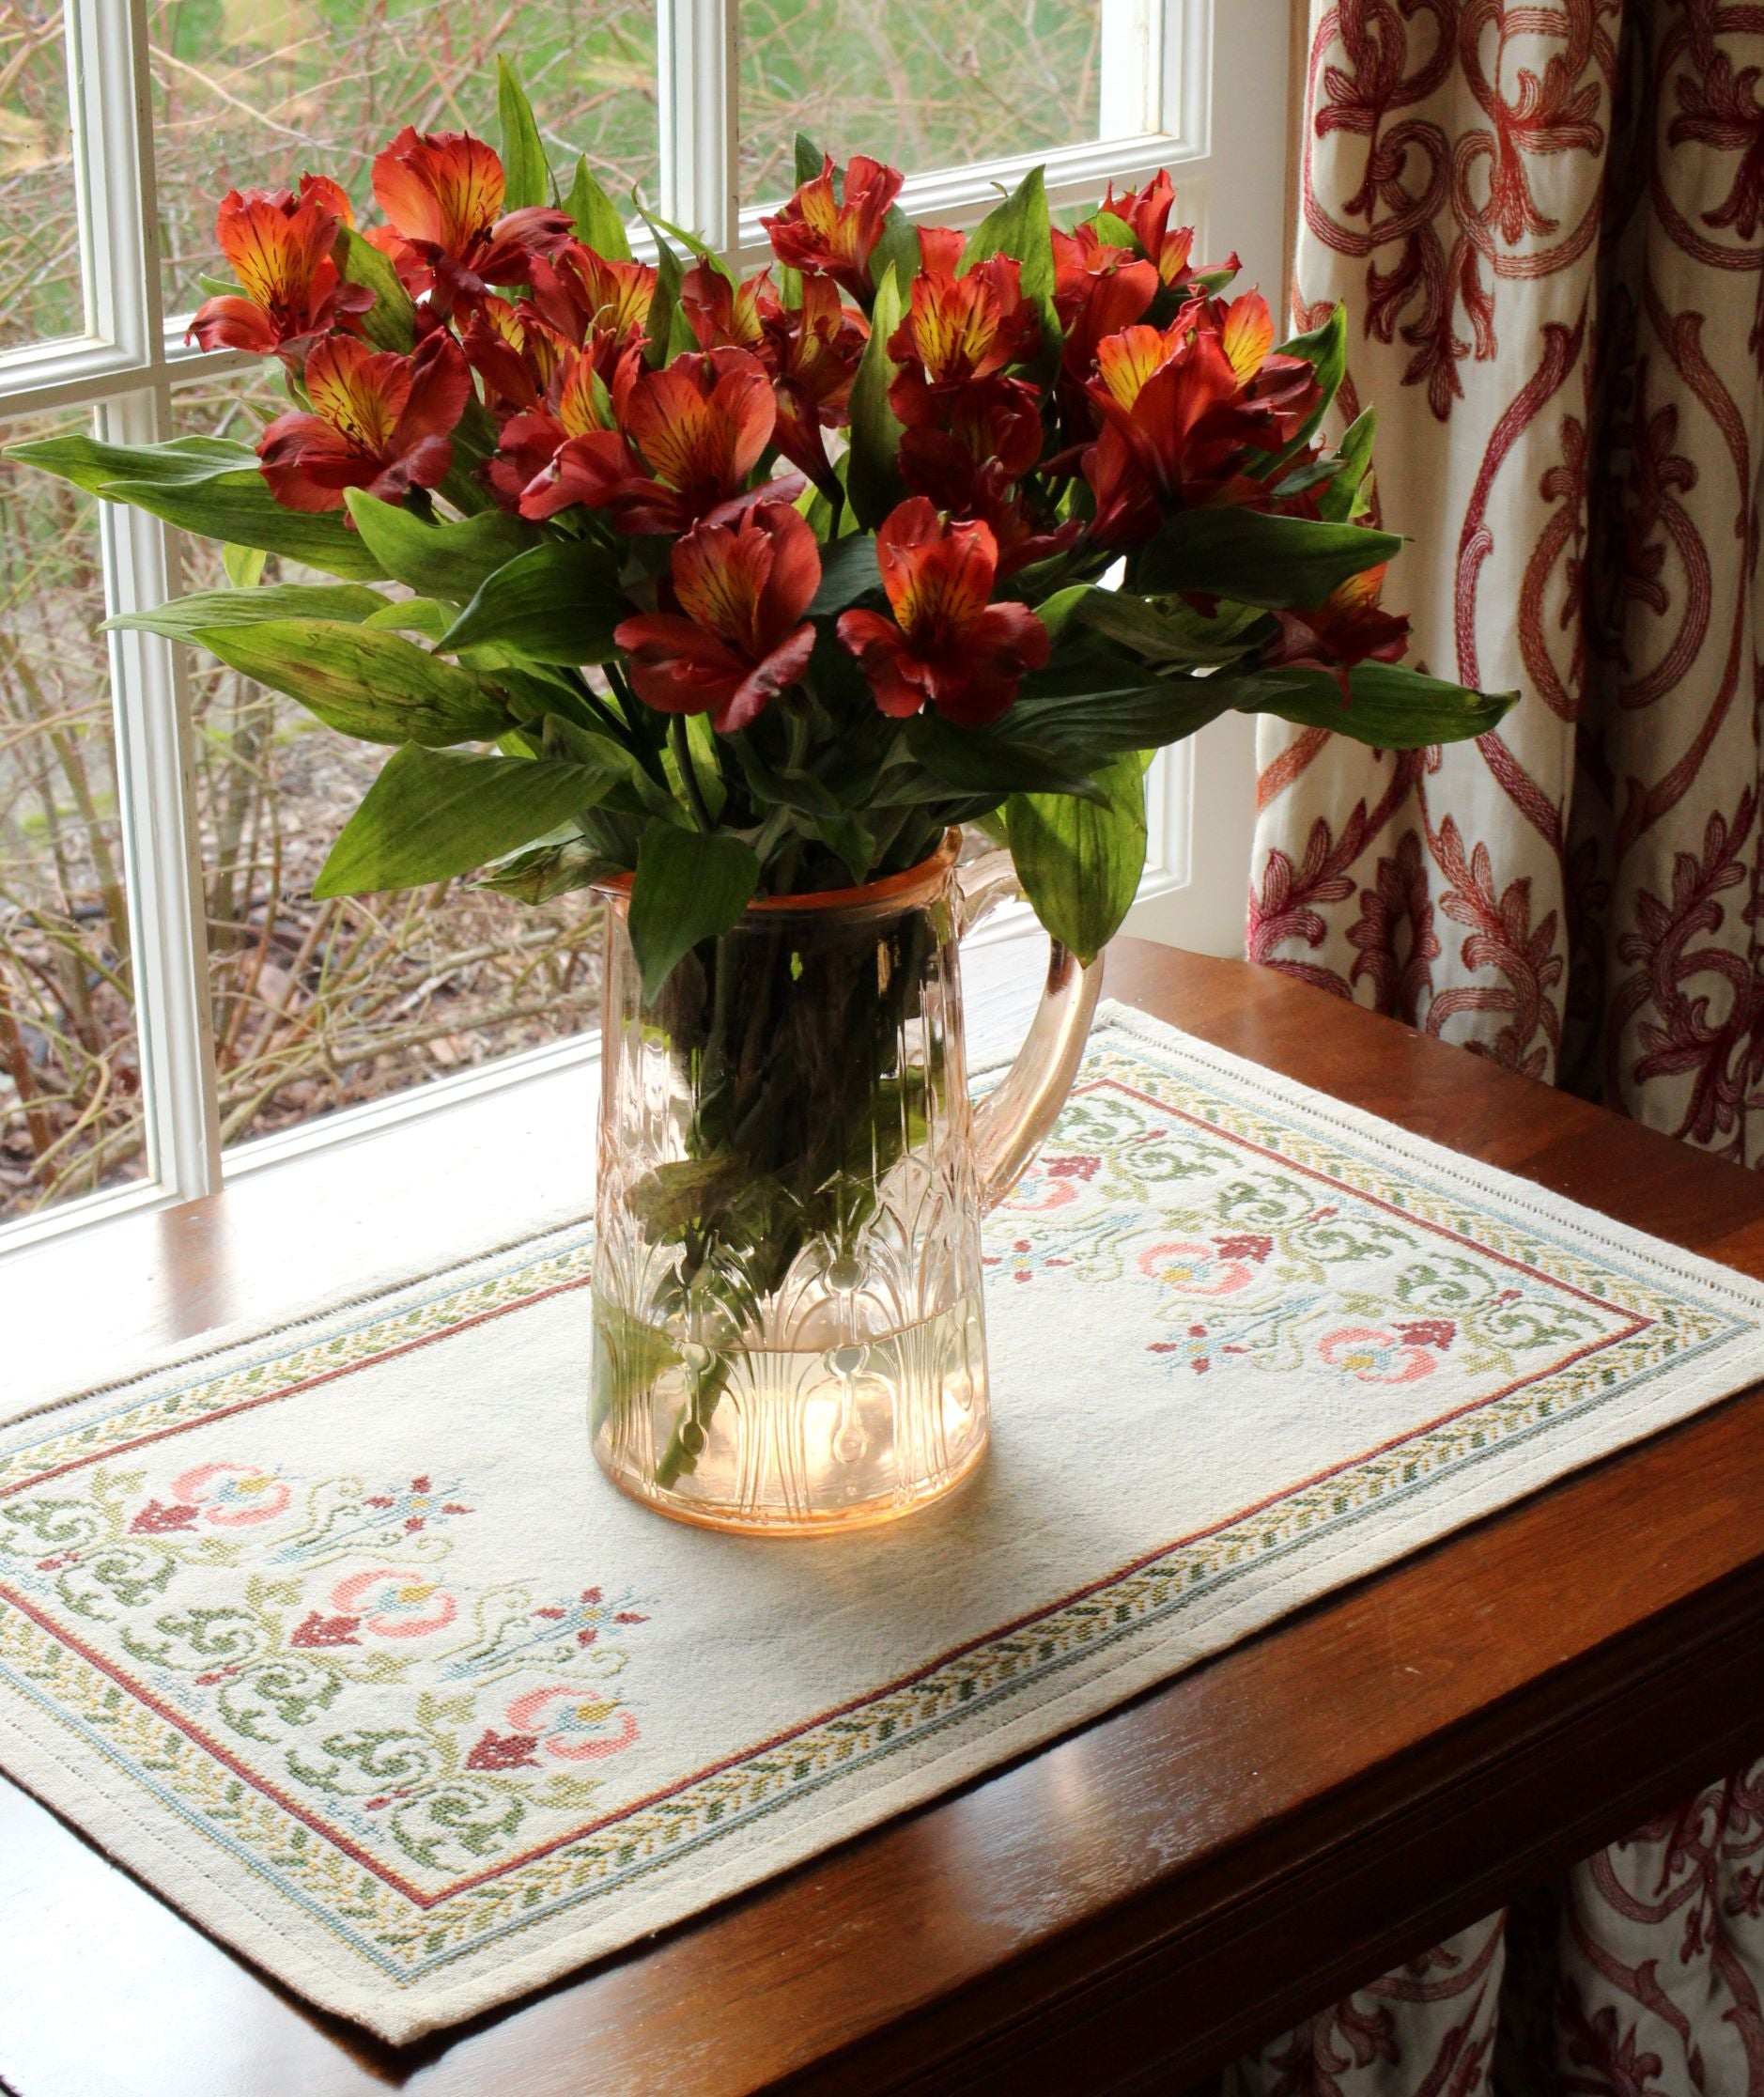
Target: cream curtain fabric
[[1547, 223]]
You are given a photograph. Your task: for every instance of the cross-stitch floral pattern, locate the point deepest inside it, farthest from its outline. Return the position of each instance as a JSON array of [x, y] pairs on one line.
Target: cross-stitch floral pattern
[[370, 1689], [340, 1639]]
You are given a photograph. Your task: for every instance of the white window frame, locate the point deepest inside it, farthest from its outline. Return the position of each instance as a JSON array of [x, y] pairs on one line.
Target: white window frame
[[1169, 67]]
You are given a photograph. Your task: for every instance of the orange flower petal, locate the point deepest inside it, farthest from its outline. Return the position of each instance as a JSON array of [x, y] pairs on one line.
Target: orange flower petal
[[1249, 334]]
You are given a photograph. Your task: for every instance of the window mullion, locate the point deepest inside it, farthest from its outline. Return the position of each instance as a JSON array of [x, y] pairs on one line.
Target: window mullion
[[155, 756], [699, 119]]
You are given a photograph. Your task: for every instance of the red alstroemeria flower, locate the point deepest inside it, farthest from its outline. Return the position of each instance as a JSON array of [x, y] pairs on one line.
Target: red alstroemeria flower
[[1349, 627], [812, 351], [945, 644], [513, 351], [580, 293], [576, 403], [1098, 290], [280, 250], [1182, 416], [724, 315], [378, 421], [739, 635], [687, 438], [941, 249], [1147, 212], [814, 232], [444, 195], [956, 329], [940, 467], [1284, 387]]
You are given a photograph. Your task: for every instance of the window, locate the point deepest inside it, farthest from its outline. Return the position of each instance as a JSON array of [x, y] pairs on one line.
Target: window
[[172, 1004]]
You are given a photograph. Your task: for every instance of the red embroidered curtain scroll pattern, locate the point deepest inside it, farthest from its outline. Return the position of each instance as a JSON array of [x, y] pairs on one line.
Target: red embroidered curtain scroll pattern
[[1547, 223]]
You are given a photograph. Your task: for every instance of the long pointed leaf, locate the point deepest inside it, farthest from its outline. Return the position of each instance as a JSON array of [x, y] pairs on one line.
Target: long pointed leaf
[[240, 509], [687, 887], [555, 603], [1253, 558], [873, 478], [178, 618], [526, 176], [390, 322], [441, 560], [1387, 704], [433, 814], [1080, 862], [598, 224], [362, 681]]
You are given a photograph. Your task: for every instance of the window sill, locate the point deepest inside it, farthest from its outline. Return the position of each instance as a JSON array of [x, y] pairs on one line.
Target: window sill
[[445, 1174]]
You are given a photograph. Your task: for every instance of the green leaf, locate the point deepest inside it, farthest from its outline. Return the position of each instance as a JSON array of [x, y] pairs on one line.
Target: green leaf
[[526, 176], [423, 615], [848, 568], [243, 565], [598, 224], [239, 507], [390, 322], [1080, 862], [1389, 706], [1326, 349], [1172, 633], [1114, 232], [180, 618], [989, 761], [433, 814], [809, 159], [1091, 716], [1253, 558], [1346, 500], [542, 871], [687, 887], [439, 560], [664, 306], [364, 682], [897, 249], [693, 243], [1020, 228], [90, 465], [873, 478], [558, 602]]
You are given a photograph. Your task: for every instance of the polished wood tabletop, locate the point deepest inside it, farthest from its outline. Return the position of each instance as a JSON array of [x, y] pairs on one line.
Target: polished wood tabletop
[[1122, 1910]]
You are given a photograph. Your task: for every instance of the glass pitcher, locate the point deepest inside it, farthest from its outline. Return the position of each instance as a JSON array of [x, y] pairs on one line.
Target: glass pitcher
[[789, 1337]]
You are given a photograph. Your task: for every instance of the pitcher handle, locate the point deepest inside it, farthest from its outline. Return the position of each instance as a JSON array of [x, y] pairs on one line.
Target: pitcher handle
[[1012, 1121]]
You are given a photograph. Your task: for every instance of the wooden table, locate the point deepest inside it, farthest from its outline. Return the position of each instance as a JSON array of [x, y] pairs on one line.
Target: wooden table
[[1125, 1910]]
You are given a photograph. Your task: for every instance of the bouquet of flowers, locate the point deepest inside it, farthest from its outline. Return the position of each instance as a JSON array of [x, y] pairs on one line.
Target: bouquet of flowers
[[750, 586], [755, 586]]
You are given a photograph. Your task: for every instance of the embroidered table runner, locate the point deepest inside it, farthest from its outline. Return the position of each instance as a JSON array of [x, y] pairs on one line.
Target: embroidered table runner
[[339, 1639]]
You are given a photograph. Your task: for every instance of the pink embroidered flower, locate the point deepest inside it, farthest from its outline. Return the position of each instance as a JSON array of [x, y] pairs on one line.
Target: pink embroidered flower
[[1040, 1191], [395, 1604], [571, 1720], [1194, 1268], [230, 1495], [1371, 1355]]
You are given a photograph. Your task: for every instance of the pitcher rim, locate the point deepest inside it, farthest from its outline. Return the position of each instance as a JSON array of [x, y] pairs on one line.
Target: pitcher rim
[[914, 884]]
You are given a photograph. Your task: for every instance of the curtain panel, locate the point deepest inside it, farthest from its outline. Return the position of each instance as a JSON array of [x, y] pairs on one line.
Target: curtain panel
[[1546, 222]]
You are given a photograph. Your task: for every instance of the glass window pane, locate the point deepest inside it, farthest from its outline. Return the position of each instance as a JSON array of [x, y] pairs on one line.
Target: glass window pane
[[70, 1108], [320, 1006], [256, 92], [41, 290], [921, 87]]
